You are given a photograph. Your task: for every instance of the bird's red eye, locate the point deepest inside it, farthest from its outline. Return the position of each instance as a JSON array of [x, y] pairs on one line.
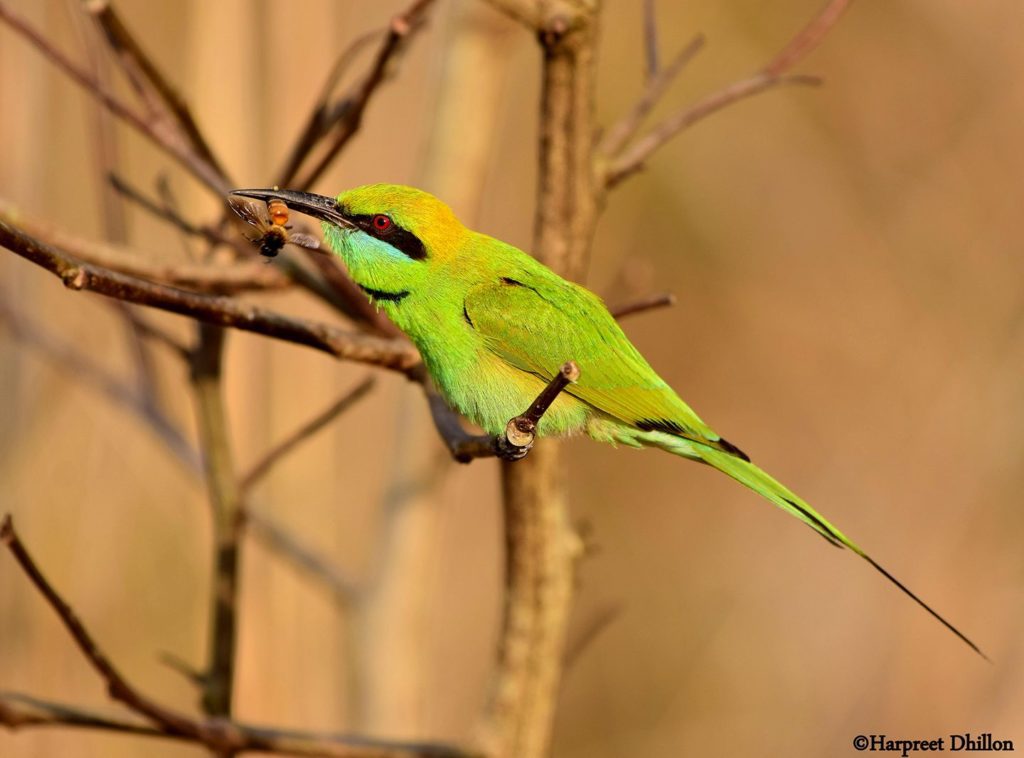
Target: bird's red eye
[[381, 223]]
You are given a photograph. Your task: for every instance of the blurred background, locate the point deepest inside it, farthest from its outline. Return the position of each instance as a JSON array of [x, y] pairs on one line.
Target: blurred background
[[851, 312]]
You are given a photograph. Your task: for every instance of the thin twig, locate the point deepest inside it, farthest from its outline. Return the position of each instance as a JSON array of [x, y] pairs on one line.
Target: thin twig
[[92, 374], [601, 620], [278, 540], [650, 40], [524, 426], [155, 333], [635, 157], [624, 130], [398, 31], [145, 76], [18, 711], [347, 296], [263, 466], [218, 735], [808, 38], [210, 234], [317, 124], [169, 140], [661, 300], [394, 354], [117, 685], [517, 439], [772, 75], [169, 204]]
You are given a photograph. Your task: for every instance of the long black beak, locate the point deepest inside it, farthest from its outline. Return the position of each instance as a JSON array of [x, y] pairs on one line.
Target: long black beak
[[317, 206]]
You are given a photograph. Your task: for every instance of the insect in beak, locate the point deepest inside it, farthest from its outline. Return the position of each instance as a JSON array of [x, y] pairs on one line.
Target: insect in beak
[[318, 206]]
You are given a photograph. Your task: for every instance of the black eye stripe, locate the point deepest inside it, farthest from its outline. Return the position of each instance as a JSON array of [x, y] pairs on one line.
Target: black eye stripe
[[401, 239]]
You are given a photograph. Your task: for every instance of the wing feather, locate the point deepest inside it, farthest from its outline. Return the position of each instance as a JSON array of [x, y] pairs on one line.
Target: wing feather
[[536, 326]]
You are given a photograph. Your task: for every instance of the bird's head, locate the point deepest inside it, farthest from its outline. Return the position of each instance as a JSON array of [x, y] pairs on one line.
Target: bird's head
[[391, 237]]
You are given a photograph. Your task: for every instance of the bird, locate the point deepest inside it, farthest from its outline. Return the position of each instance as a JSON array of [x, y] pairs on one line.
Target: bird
[[494, 325]]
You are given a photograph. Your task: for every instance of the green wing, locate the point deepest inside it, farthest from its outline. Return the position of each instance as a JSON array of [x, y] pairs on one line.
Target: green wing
[[537, 325]]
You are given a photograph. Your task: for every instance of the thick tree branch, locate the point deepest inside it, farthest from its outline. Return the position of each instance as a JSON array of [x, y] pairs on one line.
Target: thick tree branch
[[218, 735], [226, 504], [541, 548], [394, 354]]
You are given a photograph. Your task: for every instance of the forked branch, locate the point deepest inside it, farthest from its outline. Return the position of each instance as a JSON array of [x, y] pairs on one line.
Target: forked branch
[[218, 735], [619, 160]]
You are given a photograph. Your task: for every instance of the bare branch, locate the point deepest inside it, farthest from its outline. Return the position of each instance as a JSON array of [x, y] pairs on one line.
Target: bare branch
[[540, 545], [278, 540], [226, 504], [157, 334], [117, 686], [393, 354], [250, 274], [348, 298], [634, 158], [169, 204], [18, 711], [263, 466], [657, 86], [91, 374], [519, 434], [808, 38], [162, 211], [146, 77], [169, 140], [218, 735], [318, 123], [352, 111], [525, 425], [772, 75], [651, 39], [601, 620], [661, 300]]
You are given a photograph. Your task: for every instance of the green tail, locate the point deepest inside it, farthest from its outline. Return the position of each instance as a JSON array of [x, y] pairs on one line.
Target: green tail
[[748, 474]]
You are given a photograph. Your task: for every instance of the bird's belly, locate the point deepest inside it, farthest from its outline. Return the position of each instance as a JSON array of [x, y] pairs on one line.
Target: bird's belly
[[489, 392]]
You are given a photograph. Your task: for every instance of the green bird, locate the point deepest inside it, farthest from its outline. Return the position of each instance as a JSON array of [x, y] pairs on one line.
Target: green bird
[[494, 326]]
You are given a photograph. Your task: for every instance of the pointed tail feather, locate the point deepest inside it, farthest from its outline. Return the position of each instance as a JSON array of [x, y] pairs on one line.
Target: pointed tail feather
[[748, 474]]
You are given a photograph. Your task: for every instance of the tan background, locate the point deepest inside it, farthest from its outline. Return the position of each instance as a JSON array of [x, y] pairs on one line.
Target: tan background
[[851, 284]]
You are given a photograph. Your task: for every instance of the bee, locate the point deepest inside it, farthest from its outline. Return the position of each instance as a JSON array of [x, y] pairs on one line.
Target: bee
[[270, 220]]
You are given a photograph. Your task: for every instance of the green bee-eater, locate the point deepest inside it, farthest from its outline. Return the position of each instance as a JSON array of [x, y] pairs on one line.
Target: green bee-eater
[[494, 325]]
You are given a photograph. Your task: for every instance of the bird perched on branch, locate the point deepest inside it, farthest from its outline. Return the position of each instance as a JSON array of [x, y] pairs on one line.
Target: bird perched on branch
[[494, 326]]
